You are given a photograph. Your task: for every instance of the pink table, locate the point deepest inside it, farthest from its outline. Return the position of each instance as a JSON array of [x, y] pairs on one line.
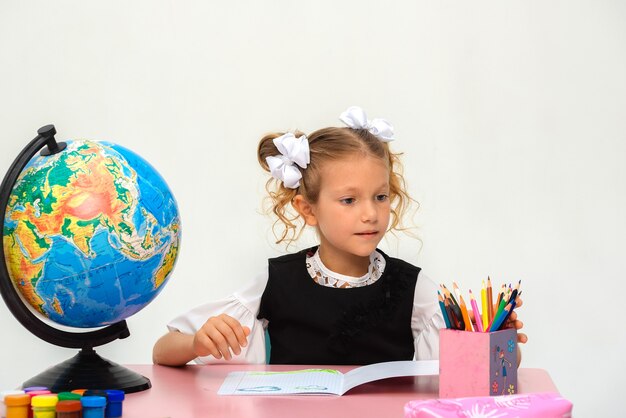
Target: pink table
[[191, 391]]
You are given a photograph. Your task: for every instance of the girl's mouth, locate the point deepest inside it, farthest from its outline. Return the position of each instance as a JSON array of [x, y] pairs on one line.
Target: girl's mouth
[[367, 234]]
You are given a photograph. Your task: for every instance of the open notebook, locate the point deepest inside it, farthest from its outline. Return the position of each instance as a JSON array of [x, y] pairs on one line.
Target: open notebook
[[321, 381]]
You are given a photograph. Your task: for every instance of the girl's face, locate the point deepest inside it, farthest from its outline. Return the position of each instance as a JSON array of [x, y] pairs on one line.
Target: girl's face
[[352, 212]]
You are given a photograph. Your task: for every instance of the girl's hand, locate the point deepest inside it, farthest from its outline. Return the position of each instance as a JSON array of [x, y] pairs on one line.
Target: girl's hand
[[513, 322], [219, 336]]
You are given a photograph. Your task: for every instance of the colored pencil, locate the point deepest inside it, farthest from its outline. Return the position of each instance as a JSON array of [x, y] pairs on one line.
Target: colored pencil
[[489, 300], [503, 315], [477, 316], [508, 314], [458, 314], [515, 292], [443, 310], [468, 323], [500, 295], [449, 294], [513, 295], [483, 303], [492, 317], [500, 309], [456, 319], [454, 322]]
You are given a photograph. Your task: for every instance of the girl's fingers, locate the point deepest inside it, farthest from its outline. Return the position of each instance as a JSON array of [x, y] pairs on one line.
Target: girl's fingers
[[226, 339], [203, 346], [221, 336], [220, 341], [238, 330], [517, 324]]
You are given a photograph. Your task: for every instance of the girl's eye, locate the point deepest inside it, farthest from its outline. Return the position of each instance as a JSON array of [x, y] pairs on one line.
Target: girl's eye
[[382, 197], [347, 200]]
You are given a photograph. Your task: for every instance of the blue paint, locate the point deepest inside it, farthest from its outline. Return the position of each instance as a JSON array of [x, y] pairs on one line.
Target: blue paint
[[93, 406]]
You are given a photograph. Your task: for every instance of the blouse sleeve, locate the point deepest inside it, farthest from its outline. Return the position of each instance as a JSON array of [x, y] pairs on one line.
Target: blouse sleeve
[[426, 320], [244, 307]]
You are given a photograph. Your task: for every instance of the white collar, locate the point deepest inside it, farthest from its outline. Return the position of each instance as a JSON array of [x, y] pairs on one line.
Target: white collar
[[374, 271]]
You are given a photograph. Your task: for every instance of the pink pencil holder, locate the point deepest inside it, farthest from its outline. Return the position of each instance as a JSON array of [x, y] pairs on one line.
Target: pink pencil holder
[[477, 363]]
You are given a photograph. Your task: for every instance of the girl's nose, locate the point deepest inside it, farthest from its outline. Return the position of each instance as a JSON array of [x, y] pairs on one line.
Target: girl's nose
[[369, 212]]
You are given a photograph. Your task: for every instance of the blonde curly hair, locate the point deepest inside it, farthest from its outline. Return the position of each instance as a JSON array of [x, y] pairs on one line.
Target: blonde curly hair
[[329, 144]]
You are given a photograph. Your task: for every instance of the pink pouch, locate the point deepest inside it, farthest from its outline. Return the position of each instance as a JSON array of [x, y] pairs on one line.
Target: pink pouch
[[546, 405]]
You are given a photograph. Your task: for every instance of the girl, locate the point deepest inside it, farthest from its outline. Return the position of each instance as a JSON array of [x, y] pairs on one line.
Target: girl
[[343, 301]]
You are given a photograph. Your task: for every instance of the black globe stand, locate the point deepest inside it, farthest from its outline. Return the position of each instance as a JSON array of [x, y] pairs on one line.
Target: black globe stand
[[86, 370]]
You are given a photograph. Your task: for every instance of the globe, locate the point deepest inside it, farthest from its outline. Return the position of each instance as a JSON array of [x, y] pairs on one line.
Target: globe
[[90, 236]]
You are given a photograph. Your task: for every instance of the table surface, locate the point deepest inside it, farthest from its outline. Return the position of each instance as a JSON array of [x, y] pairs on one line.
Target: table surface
[[191, 391]]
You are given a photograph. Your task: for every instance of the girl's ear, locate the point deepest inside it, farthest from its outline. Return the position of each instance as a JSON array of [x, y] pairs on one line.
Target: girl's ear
[[305, 209]]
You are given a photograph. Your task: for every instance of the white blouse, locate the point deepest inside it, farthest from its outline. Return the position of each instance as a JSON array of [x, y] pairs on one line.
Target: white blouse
[[244, 307]]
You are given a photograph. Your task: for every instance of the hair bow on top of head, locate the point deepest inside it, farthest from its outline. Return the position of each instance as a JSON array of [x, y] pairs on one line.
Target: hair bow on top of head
[[356, 118], [292, 151]]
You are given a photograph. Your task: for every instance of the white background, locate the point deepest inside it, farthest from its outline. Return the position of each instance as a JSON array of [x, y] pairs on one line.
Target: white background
[[511, 116]]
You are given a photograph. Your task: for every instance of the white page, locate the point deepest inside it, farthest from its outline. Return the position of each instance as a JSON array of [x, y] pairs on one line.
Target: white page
[[388, 369], [308, 381], [320, 381]]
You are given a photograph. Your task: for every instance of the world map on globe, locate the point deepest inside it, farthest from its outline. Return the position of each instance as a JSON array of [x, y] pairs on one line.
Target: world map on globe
[[91, 234]]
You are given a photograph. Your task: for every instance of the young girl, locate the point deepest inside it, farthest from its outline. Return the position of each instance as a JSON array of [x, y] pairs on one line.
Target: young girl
[[343, 301]]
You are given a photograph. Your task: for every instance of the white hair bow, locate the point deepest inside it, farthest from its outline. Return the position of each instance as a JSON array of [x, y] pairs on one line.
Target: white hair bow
[[292, 151], [356, 118]]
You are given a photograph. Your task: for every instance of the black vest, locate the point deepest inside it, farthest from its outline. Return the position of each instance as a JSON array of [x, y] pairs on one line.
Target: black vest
[[314, 324]]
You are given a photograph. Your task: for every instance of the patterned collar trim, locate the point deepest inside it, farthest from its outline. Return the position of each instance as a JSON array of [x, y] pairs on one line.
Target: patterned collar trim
[[326, 277]]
